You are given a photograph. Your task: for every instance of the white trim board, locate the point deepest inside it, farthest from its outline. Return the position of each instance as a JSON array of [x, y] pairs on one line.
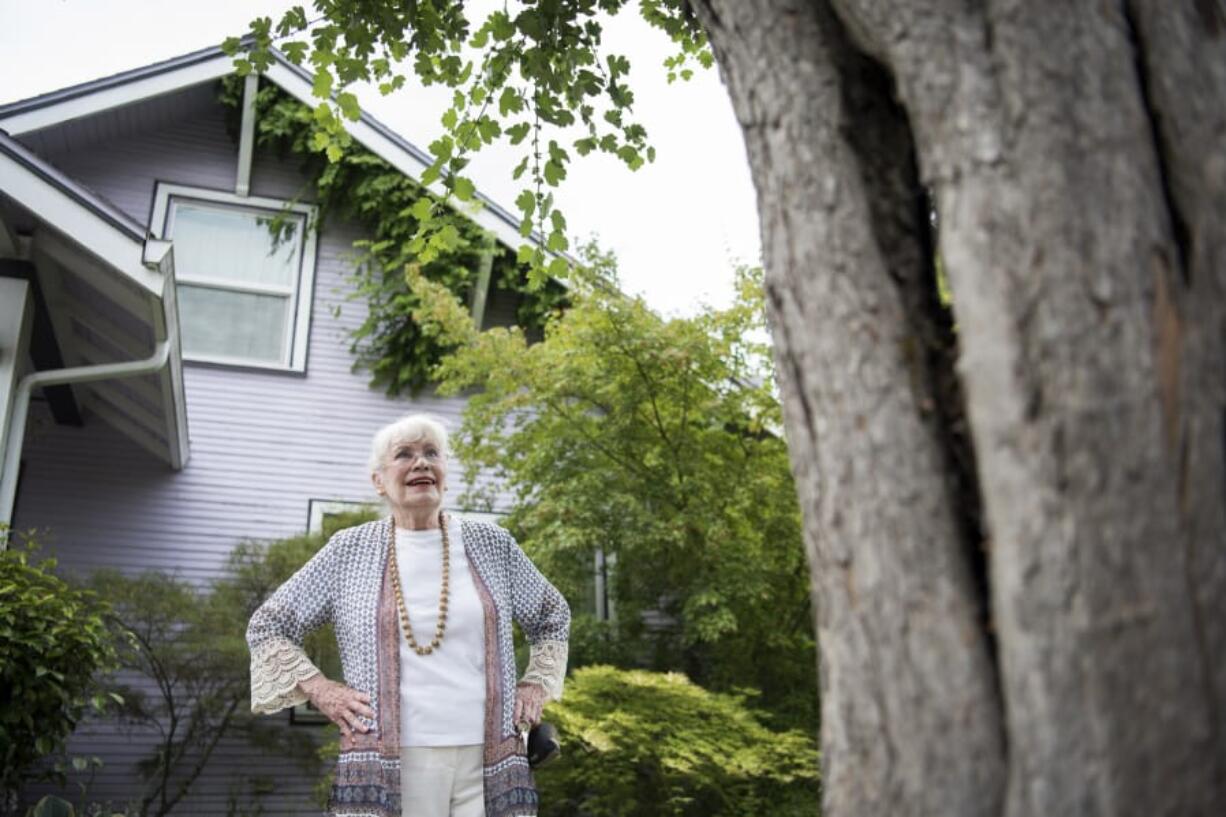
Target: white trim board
[[246, 140], [317, 508], [16, 311], [162, 254], [127, 88], [68, 216]]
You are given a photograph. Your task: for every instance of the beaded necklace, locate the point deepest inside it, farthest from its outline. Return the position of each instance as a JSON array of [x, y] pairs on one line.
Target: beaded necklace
[[405, 626]]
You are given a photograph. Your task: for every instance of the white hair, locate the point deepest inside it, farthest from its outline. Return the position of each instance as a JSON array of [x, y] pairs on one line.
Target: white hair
[[409, 428]]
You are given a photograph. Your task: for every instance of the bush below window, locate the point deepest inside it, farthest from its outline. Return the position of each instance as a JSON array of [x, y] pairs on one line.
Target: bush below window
[[643, 743]]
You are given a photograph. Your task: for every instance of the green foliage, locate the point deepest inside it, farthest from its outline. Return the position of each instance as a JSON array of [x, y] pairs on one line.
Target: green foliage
[[351, 183], [642, 743], [521, 75], [658, 442], [191, 648], [55, 643]]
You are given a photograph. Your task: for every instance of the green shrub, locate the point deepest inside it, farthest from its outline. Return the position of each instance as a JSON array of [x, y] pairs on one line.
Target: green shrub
[[190, 642], [648, 441], [642, 743], [55, 642]]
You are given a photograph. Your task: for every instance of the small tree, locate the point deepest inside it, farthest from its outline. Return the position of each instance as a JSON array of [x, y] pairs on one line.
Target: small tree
[[55, 643], [199, 682], [654, 441], [188, 645]]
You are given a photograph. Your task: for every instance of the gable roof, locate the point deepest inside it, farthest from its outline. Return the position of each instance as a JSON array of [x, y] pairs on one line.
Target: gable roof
[[29, 116]]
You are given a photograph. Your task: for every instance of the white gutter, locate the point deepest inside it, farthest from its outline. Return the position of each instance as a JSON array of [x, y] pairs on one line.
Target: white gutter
[[59, 377]]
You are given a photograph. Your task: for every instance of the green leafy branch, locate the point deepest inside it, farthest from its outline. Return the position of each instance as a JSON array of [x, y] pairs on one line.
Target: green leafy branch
[[542, 63]]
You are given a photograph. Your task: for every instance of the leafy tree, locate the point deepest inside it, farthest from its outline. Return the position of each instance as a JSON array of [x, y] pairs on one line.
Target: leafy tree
[[655, 442], [656, 745], [188, 648], [1058, 461], [55, 644]]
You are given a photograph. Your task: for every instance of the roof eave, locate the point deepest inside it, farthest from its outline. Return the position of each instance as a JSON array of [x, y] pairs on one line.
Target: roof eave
[[87, 230], [205, 65]]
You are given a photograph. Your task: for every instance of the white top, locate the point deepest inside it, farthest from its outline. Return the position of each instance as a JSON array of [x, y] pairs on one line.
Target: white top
[[442, 695]]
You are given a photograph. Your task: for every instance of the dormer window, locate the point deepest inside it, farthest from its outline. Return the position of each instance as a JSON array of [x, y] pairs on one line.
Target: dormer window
[[245, 269]]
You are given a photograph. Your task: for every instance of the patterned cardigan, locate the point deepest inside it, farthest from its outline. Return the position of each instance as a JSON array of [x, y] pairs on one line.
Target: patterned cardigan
[[348, 583]]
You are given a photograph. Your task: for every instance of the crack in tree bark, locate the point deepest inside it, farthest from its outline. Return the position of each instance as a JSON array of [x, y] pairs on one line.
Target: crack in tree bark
[[1179, 63], [1179, 224], [794, 371], [1211, 16], [901, 220]]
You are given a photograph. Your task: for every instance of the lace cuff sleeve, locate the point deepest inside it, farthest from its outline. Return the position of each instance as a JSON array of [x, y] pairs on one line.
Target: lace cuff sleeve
[[547, 667], [277, 666]]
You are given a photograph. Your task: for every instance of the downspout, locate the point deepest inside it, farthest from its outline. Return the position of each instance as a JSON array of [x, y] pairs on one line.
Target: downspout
[[57, 377]]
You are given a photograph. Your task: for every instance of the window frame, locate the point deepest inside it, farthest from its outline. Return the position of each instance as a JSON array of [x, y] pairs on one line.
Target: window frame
[[301, 295], [317, 509]]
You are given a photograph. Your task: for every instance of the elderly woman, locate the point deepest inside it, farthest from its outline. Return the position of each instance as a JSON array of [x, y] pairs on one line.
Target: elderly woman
[[429, 711]]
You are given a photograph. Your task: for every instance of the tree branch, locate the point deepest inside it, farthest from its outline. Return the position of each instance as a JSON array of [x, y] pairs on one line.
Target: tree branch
[[218, 733]]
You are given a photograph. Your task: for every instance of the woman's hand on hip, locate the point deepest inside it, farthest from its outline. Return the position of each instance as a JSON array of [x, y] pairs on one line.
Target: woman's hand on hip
[[342, 704], [529, 701]]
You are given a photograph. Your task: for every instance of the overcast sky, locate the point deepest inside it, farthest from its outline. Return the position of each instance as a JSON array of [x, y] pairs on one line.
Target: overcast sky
[[678, 226]]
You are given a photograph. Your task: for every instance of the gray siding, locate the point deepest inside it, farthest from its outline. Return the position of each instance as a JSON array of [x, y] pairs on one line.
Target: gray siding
[[262, 444]]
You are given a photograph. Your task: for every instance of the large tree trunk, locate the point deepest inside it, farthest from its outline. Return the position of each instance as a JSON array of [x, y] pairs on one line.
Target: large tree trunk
[[1074, 156]]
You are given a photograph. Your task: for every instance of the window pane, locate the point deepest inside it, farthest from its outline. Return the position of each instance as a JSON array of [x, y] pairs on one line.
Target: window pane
[[235, 244], [215, 322]]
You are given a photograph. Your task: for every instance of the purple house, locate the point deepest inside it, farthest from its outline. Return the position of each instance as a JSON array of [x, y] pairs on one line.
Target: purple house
[[169, 384]]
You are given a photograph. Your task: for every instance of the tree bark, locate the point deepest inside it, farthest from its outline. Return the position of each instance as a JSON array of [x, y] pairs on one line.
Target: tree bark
[[1075, 158], [910, 704]]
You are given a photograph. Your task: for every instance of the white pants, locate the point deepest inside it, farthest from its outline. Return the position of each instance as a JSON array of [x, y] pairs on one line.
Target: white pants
[[442, 781]]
